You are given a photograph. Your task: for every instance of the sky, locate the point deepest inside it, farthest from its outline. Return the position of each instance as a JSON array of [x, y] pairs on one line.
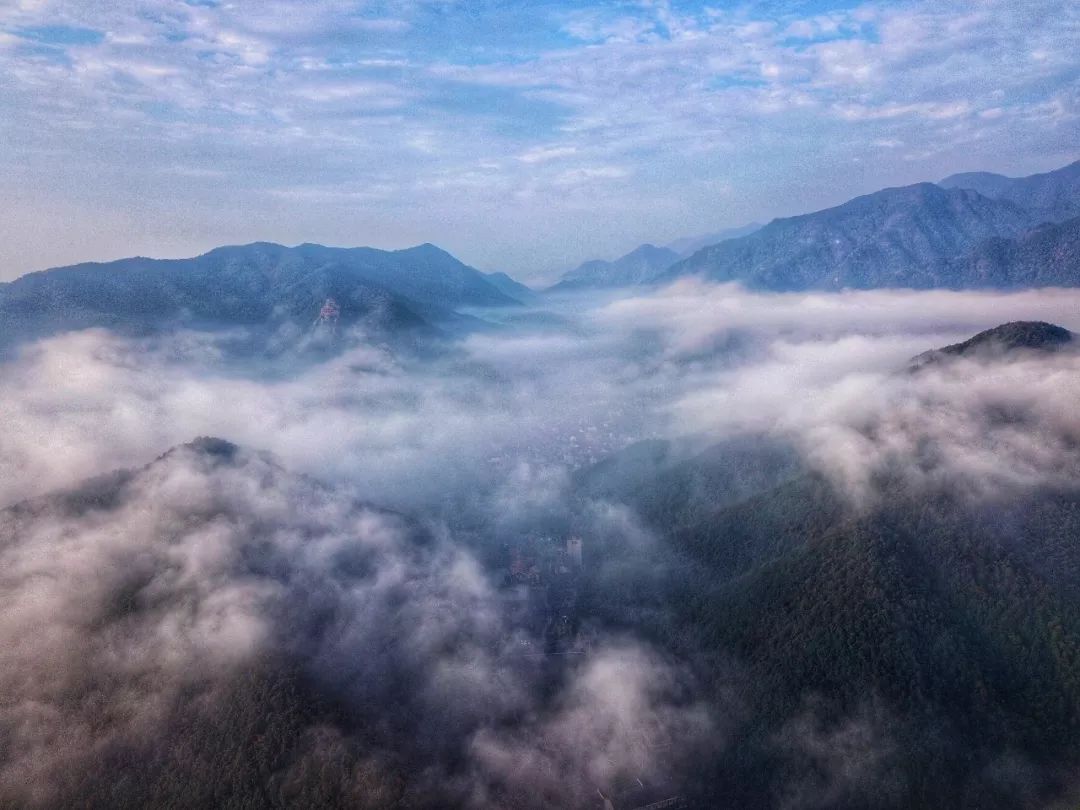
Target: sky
[[521, 136]]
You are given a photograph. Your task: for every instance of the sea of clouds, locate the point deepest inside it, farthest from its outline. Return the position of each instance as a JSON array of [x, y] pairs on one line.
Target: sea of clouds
[[323, 551], [693, 359]]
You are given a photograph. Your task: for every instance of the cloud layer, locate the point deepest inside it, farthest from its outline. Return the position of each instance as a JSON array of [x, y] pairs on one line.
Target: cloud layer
[[147, 609], [509, 412], [333, 654]]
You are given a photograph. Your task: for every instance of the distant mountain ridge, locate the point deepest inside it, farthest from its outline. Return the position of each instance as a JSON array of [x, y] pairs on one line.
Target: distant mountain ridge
[[689, 245], [260, 284], [973, 230], [643, 263], [636, 267], [885, 239]]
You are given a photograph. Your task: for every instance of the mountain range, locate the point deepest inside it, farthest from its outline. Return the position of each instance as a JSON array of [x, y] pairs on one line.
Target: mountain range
[[970, 231], [258, 285], [642, 264], [975, 230], [885, 239], [637, 267]]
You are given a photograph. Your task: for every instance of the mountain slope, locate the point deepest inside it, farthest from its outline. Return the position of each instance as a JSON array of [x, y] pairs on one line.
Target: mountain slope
[[947, 618], [943, 635], [670, 484], [635, 267], [1046, 256], [511, 287], [885, 239], [917, 650]]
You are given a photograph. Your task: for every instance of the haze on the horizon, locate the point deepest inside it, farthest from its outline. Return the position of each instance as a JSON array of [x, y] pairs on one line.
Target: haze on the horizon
[[523, 137]]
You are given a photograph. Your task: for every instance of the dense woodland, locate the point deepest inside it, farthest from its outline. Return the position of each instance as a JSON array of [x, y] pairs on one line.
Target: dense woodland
[[939, 637]]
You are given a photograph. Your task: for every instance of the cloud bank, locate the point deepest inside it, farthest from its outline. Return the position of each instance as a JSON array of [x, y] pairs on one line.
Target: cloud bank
[[358, 655], [530, 404], [227, 623]]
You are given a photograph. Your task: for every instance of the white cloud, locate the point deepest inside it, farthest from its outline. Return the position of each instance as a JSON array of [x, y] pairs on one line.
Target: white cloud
[[542, 154], [177, 587]]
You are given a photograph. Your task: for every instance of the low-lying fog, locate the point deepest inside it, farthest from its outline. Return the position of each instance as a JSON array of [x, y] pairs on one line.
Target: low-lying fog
[[239, 564], [506, 413]]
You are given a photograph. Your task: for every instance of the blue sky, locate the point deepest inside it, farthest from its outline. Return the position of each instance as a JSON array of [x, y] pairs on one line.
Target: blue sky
[[522, 136]]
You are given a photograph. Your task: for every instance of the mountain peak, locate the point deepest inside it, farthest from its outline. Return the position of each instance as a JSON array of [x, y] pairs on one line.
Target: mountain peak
[[428, 250], [249, 247], [209, 449], [212, 446], [637, 266], [1016, 335], [1001, 340]]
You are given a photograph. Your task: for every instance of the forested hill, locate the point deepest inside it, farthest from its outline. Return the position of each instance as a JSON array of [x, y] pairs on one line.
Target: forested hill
[[928, 637]]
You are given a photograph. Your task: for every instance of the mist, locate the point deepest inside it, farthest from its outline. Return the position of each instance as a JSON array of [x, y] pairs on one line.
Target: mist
[[693, 359], [332, 578]]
